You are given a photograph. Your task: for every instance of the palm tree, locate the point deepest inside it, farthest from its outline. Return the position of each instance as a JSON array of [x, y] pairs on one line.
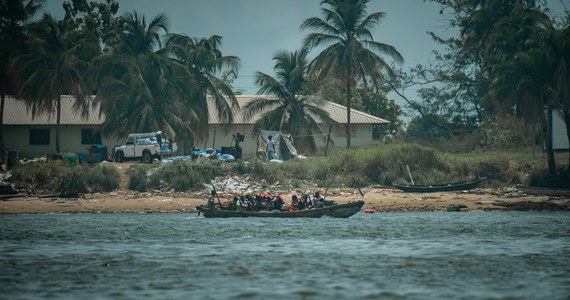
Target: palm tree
[[204, 61], [561, 82], [14, 16], [520, 58], [287, 110], [51, 69], [140, 87], [350, 50]]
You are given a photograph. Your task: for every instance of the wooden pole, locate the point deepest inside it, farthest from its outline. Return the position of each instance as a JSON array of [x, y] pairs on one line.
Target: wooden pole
[[214, 139], [215, 192], [410, 174], [328, 139]]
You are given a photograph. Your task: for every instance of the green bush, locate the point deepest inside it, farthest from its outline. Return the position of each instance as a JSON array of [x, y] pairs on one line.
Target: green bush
[[383, 164], [49, 177], [179, 175], [139, 177]]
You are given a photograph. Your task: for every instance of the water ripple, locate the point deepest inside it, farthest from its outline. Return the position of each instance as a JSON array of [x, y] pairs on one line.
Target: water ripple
[[518, 255]]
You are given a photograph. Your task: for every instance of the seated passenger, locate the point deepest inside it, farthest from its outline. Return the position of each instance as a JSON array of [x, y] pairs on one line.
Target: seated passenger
[[268, 201], [305, 203], [318, 201], [294, 203], [240, 204], [259, 202], [211, 199], [278, 202]]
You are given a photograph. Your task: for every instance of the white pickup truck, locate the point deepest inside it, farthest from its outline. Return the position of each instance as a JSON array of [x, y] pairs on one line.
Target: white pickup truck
[[143, 146]]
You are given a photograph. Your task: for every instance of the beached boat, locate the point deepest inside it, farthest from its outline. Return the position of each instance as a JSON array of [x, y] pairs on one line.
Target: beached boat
[[333, 211], [440, 187], [555, 192]]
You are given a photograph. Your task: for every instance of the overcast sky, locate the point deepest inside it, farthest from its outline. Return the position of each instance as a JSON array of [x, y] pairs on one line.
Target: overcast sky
[[254, 30]]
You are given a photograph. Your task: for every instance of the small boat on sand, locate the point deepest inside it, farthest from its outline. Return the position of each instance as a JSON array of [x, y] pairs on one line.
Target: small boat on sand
[[555, 192], [459, 186], [333, 211]]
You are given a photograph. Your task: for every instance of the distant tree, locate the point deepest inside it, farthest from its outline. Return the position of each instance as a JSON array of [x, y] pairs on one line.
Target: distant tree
[[350, 50], [51, 68], [287, 109], [516, 60], [205, 63], [93, 22], [14, 17], [561, 81], [377, 104], [140, 88]]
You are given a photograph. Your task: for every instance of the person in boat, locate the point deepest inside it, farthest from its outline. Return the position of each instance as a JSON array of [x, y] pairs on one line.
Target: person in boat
[[302, 204], [240, 203], [318, 201], [259, 202], [305, 202], [267, 201], [211, 200], [278, 202], [250, 202], [294, 206]]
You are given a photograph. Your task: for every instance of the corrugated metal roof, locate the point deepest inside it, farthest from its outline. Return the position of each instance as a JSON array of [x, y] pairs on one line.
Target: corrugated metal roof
[[336, 111], [16, 113]]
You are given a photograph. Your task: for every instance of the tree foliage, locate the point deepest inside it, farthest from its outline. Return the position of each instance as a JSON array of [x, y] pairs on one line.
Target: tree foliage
[[350, 51], [51, 68], [507, 60], [14, 18], [287, 108]]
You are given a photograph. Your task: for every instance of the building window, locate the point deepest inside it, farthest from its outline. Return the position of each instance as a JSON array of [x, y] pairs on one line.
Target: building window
[[90, 137], [39, 136]]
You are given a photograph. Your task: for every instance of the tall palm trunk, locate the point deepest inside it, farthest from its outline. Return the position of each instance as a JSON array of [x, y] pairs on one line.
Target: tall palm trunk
[[546, 120], [2, 117], [348, 108], [2, 102], [566, 117], [58, 123]]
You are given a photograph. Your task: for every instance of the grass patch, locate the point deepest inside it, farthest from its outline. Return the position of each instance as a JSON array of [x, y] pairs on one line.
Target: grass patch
[[48, 177], [179, 175], [379, 165]]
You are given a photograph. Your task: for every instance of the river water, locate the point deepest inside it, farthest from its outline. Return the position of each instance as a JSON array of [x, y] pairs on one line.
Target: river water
[[436, 255]]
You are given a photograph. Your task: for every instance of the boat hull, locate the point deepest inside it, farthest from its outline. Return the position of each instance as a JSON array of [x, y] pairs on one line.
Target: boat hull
[[439, 187], [334, 211], [555, 192]]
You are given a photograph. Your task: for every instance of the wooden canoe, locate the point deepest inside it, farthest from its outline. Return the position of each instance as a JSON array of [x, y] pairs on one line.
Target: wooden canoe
[[333, 211], [555, 192], [439, 187]]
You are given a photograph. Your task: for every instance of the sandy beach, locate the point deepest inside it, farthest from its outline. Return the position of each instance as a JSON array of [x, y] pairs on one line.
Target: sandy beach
[[377, 199]]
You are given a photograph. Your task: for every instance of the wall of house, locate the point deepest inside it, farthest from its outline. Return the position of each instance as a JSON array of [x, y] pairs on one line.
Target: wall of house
[[559, 136], [361, 136], [17, 138], [221, 136]]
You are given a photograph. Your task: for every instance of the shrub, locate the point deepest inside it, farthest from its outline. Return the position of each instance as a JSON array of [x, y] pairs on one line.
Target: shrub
[[139, 179], [179, 175], [44, 177]]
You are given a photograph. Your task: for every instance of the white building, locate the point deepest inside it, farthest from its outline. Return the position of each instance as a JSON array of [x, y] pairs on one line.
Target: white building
[[36, 136]]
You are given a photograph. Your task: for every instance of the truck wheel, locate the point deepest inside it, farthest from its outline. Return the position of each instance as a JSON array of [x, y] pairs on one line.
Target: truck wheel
[[119, 157], [146, 158]]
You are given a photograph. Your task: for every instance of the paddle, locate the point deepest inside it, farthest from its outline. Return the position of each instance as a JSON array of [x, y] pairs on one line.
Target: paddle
[[215, 192]]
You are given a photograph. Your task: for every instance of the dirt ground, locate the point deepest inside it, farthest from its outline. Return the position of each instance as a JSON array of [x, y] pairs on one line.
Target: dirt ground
[[377, 199]]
